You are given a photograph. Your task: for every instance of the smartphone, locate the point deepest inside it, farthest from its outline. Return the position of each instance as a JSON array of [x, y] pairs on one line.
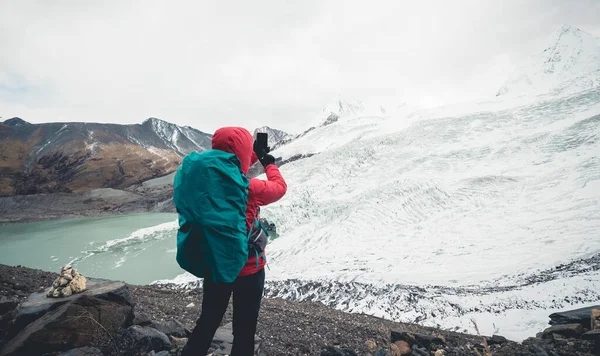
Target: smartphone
[[262, 140]]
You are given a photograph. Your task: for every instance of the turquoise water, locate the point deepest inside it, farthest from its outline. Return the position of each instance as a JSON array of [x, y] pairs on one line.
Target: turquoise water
[[137, 249]]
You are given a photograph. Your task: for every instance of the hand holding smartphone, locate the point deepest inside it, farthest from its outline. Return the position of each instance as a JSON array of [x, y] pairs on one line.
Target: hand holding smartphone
[[262, 149], [262, 142]]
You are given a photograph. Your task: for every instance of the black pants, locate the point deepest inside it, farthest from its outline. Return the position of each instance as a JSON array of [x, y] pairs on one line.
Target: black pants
[[247, 295]]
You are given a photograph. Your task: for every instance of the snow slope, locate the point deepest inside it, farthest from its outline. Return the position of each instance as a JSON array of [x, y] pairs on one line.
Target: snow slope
[[481, 200], [489, 211], [448, 191]]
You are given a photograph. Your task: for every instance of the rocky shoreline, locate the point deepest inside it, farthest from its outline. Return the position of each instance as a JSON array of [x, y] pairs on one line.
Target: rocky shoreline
[[147, 320], [151, 196]]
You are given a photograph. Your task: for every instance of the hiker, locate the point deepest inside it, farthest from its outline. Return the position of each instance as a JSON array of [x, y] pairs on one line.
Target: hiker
[[219, 264]]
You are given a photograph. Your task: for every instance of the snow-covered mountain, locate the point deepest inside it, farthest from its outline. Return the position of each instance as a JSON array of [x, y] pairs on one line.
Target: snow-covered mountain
[[76, 156], [486, 210], [374, 106], [569, 63], [462, 215], [275, 136], [181, 139]]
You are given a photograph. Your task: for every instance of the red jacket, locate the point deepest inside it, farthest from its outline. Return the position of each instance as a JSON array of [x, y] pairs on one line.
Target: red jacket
[[260, 192]]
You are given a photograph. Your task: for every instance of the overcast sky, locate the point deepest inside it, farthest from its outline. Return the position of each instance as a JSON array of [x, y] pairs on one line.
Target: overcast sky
[[252, 63]]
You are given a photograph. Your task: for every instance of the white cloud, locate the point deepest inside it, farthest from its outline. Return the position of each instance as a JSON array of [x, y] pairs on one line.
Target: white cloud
[[211, 63]]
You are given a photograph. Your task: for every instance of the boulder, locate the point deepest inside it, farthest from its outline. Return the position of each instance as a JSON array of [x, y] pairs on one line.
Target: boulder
[[170, 328], [91, 318], [403, 347], [496, 340], [423, 340], [84, 351], [419, 351], [537, 350], [8, 304], [593, 335], [566, 330], [141, 319], [145, 339], [577, 316]]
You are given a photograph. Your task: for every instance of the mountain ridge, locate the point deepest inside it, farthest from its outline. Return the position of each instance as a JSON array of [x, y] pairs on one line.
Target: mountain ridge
[[80, 156]]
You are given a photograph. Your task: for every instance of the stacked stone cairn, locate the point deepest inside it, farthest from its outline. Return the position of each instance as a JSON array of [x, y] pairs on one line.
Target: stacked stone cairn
[[68, 283]]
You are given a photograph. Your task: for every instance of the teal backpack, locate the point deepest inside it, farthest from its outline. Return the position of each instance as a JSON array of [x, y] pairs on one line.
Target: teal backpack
[[211, 194]]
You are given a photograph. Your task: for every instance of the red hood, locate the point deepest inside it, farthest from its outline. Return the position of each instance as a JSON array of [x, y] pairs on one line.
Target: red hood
[[235, 140]]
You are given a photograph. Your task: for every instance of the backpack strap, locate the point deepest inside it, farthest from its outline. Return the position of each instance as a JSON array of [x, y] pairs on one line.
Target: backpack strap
[[260, 254], [255, 225]]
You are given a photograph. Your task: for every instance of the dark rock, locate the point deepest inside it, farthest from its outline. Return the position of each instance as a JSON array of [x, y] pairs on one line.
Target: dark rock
[[223, 341], [537, 351], [592, 335], [567, 330], [578, 316], [7, 305], [419, 351], [170, 328], [46, 325], [38, 304], [335, 351], [423, 340], [497, 340], [84, 351], [145, 339], [120, 295], [331, 119], [141, 319]]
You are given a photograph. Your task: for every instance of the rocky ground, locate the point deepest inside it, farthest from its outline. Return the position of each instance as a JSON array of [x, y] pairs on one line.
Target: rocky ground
[[285, 327]]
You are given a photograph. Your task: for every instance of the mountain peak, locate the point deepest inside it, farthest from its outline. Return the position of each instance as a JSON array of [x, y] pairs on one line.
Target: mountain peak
[[569, 28], [569, 54], [275, 136], [16, 121], [154, 120]]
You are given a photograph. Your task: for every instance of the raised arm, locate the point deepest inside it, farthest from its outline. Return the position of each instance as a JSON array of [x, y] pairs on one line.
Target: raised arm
[[271, 190]]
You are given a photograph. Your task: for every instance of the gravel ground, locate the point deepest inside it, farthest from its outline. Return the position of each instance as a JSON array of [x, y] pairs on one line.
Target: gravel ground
[[293, 328]]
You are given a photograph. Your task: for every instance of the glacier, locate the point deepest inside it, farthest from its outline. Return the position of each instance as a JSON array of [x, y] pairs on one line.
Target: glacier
[[487, 210]]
